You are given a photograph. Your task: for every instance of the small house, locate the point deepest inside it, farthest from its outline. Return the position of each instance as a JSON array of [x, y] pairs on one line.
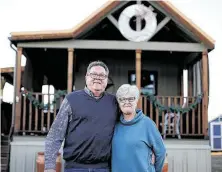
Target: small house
[[147, 43], [215, 133]]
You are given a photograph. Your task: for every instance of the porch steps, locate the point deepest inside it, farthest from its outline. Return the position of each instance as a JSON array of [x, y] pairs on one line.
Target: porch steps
[[5, 153]]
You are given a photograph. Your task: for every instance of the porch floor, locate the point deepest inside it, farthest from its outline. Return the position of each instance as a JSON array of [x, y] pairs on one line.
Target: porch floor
[[187, 143], [171, 143]]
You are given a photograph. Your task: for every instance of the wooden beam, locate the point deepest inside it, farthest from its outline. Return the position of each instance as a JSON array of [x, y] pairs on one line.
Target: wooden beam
[[161, 25], [18, 86], [205, 91], [138, 75], [9, 69], [113, 21], [190, 59], [176, 20], [117, 45], [138, 68], [93, 24], [70, 70], [190, 81]]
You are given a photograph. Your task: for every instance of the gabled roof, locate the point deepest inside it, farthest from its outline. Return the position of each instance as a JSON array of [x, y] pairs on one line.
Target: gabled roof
[[103, 10], [219, 116]]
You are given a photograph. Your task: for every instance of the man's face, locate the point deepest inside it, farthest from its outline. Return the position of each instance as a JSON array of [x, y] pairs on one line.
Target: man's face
[[96, 80]]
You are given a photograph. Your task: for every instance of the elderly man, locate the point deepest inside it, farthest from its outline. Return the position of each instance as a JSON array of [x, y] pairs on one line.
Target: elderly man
[[86, 121]]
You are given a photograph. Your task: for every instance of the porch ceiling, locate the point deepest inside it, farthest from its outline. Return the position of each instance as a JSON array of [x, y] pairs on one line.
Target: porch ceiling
[[52, 63], [49, 63]]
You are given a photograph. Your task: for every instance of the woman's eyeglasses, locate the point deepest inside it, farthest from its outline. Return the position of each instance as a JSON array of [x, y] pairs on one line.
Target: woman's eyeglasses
[[129, 99]]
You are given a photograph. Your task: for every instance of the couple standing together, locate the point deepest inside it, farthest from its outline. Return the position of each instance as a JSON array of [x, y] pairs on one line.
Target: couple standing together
[[103, 132]]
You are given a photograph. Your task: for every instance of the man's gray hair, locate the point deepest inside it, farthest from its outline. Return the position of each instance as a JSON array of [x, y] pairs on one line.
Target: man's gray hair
[[126, 89], [98, 63]]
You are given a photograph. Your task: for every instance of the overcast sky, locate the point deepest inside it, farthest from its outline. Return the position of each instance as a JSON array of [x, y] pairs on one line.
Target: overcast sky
[[34, 15]]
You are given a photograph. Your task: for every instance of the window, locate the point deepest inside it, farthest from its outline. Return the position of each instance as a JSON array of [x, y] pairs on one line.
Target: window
[[148, 81], [48, 92]]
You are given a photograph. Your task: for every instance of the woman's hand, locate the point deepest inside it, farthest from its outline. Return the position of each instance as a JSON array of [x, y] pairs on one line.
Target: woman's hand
[[153, 158], [50, 170]]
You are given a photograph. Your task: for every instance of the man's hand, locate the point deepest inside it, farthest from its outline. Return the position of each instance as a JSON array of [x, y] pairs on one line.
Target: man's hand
[[50, 170]]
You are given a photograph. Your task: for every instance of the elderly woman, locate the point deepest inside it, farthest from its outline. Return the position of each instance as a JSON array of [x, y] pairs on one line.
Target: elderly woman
[[136, 137]]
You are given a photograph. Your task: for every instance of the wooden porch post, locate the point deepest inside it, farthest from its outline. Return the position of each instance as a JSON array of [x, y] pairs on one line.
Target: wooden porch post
[[18, 87], [205, 91], [138, 75], [190, 81], [70, 70]]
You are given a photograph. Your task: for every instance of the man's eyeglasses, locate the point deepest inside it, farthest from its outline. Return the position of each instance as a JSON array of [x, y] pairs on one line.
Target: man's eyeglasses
[[97, 76], [124, 100]]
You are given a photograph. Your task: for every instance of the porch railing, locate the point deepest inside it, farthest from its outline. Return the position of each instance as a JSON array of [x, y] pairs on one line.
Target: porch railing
[[35, 120], [190, 123], [38, 121]]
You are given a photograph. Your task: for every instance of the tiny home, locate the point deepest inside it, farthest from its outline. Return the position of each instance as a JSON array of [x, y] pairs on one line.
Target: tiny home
[[215, 133], [147, 43]]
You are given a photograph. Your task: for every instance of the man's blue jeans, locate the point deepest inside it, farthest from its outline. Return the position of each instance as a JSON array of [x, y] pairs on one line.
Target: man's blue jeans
[[87, 170]]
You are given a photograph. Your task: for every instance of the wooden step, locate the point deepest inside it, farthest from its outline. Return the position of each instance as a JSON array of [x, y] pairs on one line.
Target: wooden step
[[4, 160], [5, 140], [5, 154], [5, 151], [5, 137], [3, 167]]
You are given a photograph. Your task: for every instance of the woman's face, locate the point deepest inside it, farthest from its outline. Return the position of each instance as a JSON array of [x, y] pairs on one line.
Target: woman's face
[[128, 104]]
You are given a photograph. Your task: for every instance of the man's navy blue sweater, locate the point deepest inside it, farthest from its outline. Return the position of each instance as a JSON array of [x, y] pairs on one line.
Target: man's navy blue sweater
[[89, 132]]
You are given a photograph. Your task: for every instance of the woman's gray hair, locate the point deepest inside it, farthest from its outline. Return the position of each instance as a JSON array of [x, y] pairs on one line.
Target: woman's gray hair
[[127, 89]]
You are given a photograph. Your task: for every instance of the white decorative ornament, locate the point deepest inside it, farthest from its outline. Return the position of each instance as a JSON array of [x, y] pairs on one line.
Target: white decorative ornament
[[145, 13]]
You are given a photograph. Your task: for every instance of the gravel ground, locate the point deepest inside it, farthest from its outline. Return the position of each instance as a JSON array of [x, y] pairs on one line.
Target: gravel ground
[[216, 161]]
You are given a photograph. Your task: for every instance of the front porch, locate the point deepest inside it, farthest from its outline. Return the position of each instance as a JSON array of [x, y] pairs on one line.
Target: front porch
[[155, 65], [157, 73]]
